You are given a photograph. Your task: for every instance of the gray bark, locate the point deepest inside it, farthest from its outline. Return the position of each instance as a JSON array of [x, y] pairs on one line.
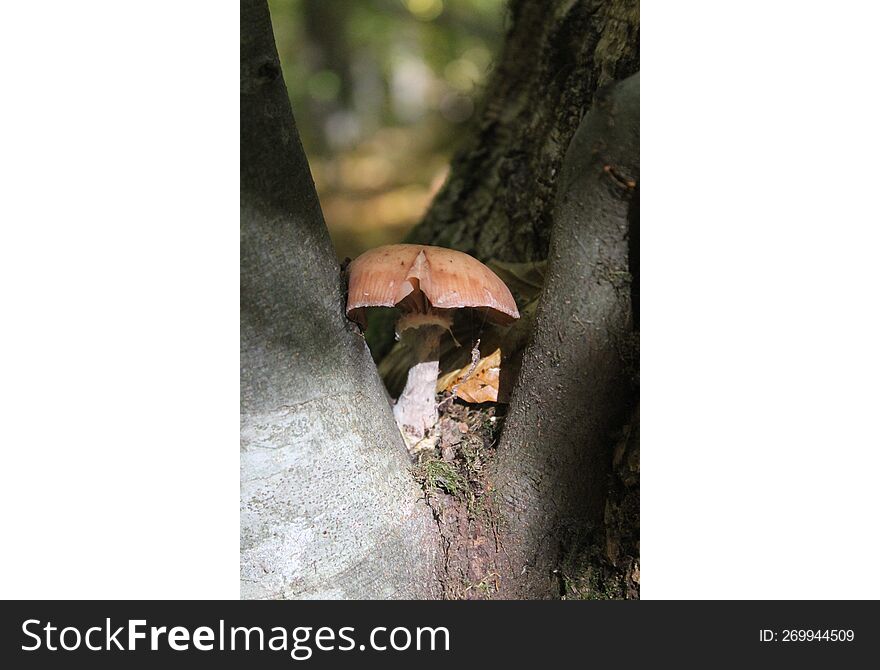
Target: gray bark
[[328, 506], [578, 379]]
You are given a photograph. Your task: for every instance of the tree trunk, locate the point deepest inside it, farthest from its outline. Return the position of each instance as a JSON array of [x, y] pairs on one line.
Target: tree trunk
[[498, 200], [328, 506], [578, 381]]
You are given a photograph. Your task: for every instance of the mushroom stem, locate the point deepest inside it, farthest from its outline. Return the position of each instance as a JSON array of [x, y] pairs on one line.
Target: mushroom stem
[[416, 409]]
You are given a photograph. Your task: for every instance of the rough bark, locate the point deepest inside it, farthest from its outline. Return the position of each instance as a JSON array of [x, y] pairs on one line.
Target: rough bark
[[498, 200], [498, 203], [328, 505], [577, 385]]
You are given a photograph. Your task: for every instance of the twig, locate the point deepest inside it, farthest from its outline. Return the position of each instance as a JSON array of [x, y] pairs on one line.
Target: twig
[[475, 358]]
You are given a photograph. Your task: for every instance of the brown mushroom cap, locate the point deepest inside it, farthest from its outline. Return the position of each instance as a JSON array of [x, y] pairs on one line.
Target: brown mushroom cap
[[387, 275]]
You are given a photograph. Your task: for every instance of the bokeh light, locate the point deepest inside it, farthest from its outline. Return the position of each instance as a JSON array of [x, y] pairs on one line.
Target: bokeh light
[[383, 92]]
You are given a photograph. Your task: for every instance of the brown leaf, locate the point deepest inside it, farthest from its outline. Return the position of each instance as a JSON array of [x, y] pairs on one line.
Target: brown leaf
[[481, 385]]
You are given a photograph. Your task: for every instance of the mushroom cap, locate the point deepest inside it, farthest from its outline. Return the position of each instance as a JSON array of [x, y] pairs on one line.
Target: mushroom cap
[[449, 279]]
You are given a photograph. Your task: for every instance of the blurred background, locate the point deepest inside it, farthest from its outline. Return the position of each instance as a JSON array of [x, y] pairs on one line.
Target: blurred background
[[382, 91]]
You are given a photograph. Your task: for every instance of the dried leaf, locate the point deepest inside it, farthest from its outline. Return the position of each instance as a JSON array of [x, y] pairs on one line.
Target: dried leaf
[[481, 385]]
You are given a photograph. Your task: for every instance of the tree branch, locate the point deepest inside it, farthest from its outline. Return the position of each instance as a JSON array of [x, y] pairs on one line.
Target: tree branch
[[328, 507], [578, 375]]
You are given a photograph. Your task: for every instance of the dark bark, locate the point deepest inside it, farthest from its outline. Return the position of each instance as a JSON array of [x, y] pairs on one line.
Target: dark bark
[[576, 385], [328, 506], [578, 381], [498, 203], [498, 200]]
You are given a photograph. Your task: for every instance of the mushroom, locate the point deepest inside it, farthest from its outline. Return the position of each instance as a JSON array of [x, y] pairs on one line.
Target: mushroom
[[427, 284]]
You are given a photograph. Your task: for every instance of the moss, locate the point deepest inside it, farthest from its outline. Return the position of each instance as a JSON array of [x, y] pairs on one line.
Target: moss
[[454, 481], [437, 474]]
